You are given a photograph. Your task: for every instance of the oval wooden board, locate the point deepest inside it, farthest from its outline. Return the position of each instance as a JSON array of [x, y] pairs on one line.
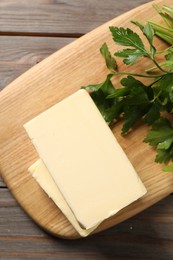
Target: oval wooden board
[[55, 78]]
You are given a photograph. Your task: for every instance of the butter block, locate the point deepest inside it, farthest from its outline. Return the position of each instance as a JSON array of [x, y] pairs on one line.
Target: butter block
[[84, 159], [46, 182]]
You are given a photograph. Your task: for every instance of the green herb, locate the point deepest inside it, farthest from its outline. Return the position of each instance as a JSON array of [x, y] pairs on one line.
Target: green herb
[[165, 32], [110, 61], [100, 93], [161, 137], [132, 100]]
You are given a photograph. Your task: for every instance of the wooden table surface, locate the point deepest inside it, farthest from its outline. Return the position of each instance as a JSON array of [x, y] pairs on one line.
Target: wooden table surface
[[29, 32]]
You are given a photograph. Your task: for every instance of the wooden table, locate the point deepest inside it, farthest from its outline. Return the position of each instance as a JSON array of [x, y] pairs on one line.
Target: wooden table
[[29, 32]]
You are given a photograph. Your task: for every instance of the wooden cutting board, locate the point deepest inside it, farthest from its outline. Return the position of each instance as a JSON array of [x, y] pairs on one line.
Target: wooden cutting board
[[55, 78]]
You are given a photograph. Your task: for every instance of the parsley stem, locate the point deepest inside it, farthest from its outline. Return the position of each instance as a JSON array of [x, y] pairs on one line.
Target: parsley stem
[[168, 9], [160, 26], [159, 11], [140, 25], [154, 67], [163, 32], [154, 82], [158, 66], [139, 75], [166, 38], [164, 51]]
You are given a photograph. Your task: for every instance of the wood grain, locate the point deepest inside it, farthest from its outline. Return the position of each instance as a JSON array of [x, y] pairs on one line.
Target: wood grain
[[19, 53], [44, 17], [44, 85], [146, 236]]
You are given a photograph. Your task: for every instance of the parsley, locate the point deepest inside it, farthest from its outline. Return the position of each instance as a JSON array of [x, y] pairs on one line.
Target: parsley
[[165, 32], [132, 100], [100, 93], [161, 137]]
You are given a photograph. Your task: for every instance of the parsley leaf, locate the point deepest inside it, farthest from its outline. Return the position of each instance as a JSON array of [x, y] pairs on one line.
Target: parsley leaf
[[169, 61], [161, 137], [165, 88], [109, 108], [130, 55], [126, 37], [149, 33], [110, 61], [161, 130], [153, 113], [135, 103]]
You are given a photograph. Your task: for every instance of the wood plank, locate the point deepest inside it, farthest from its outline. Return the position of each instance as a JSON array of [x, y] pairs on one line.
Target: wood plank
[[145, 236], [59, 17], [41, 87], [18, 225], [18, 54]]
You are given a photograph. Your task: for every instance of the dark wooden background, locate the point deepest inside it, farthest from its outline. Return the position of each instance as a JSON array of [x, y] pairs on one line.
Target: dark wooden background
[[29, 32]]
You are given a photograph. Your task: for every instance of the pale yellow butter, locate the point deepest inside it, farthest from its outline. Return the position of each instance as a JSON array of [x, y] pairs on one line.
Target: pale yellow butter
[[84, 159], [43, 177]]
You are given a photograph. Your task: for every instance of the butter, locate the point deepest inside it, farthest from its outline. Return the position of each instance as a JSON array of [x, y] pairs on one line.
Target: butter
[[83, 157], [46, 182]]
